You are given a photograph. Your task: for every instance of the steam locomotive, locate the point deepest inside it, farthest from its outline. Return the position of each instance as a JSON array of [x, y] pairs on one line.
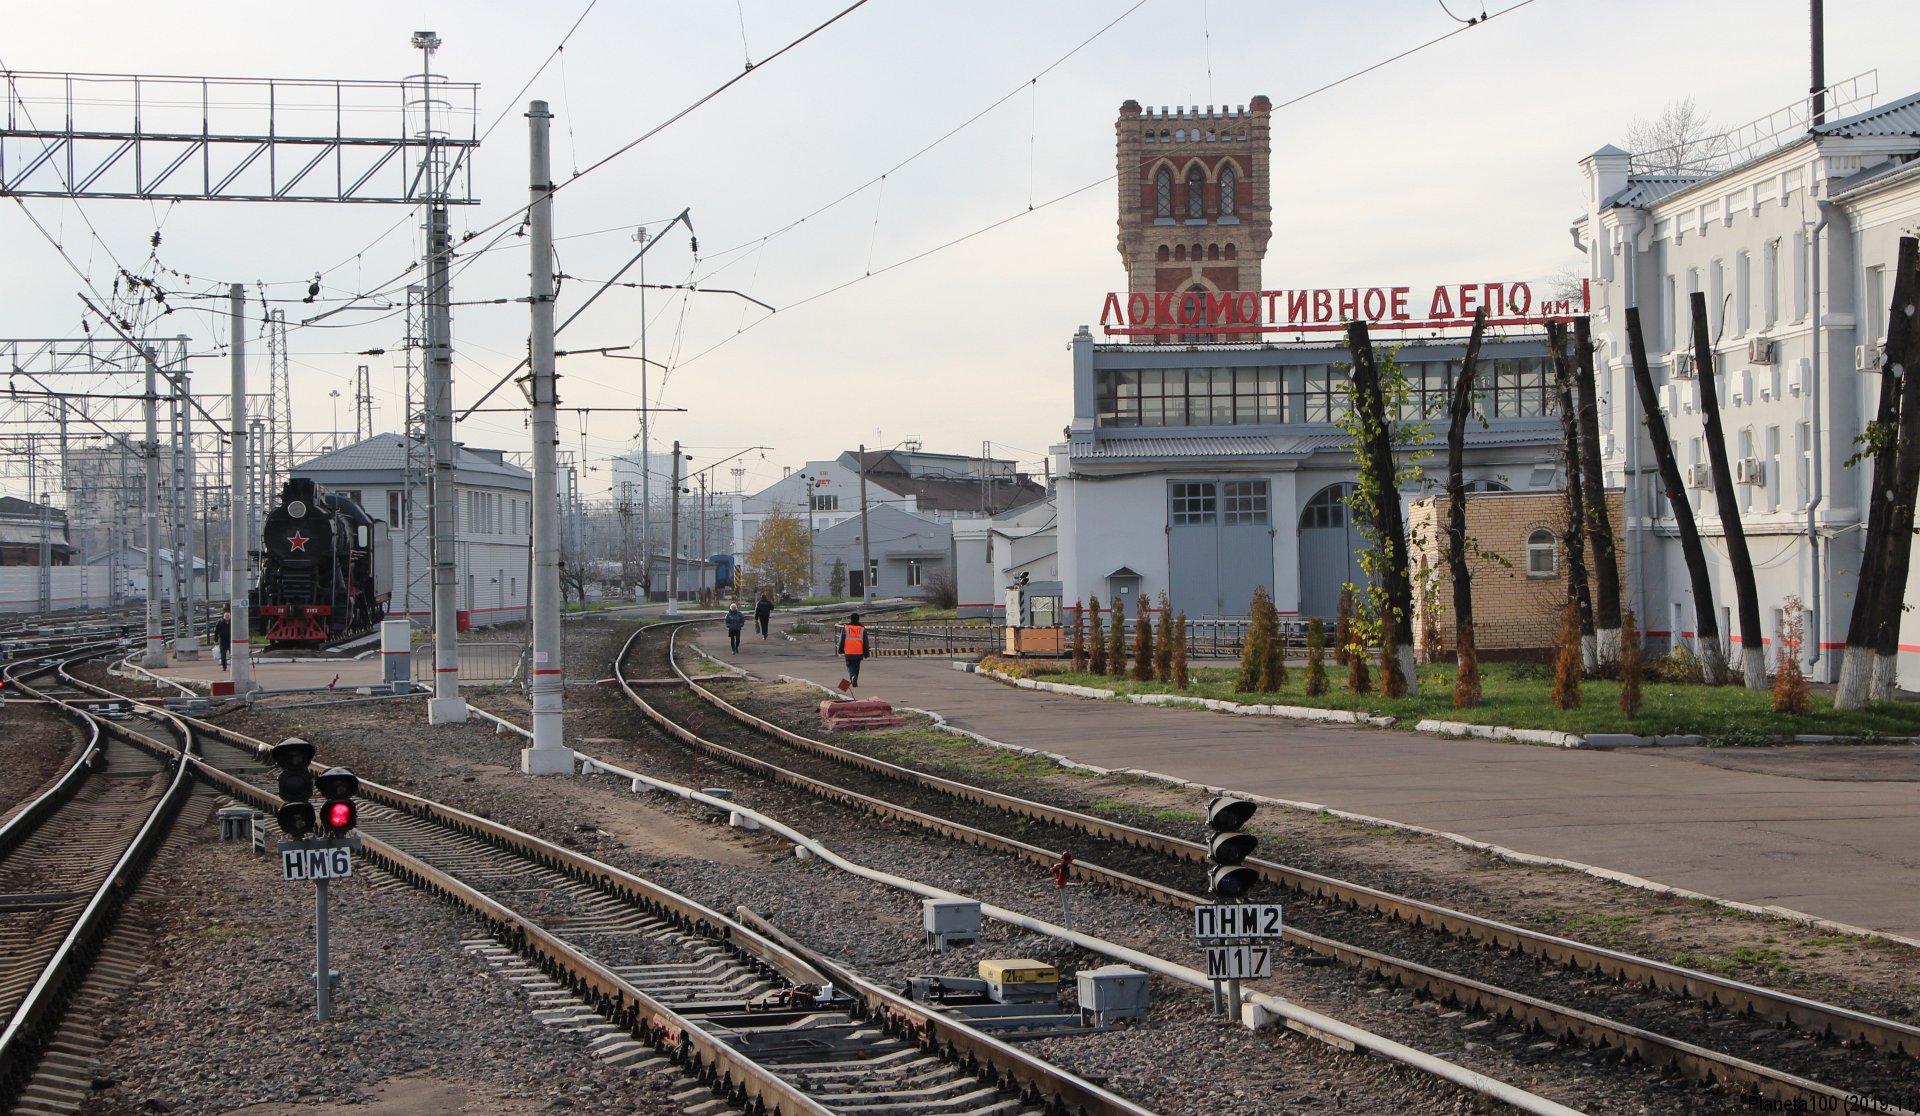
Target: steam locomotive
[[324, 569]]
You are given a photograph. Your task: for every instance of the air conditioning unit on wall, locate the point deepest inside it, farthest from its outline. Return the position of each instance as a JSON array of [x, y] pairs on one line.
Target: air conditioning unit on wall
[[1868, 358], [1700, 475], [1749, 470], [1682, 365], [1760, 350]]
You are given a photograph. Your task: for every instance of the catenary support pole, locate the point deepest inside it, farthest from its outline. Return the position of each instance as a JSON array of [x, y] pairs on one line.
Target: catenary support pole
[[446, 705], [156, 651], [549, 754], [240, 527], [866, 557], [673, 542], [187, 643]]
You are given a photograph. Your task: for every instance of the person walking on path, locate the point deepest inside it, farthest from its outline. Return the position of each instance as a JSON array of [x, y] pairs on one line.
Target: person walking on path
[[736, 620], [763, 615], [856, 645], [223, 635]]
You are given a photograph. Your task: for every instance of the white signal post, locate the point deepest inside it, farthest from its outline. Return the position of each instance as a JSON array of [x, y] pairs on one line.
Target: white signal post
[[549, 754]]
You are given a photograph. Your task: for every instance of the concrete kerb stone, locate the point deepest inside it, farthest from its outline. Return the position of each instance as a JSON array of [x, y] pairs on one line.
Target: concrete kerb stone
[[1293, 712]]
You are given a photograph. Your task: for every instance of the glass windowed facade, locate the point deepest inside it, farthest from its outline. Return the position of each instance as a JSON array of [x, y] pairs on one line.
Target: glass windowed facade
[[1305, 393]]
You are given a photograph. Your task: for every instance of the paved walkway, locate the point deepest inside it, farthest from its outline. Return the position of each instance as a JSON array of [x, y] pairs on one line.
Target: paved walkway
[[1830, 831]]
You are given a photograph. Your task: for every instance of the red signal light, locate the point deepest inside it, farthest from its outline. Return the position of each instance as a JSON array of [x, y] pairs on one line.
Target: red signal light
[[337, 817]]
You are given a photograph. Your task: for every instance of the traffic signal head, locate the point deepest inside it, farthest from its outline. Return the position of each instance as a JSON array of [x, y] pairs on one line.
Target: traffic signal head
[[1228, 814], [1231, 881], [338, 814], [296, 818], [1227, 847], [294, 756]]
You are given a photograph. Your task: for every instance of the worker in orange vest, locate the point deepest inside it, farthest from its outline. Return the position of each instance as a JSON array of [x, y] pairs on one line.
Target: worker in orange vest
[[856, 645]]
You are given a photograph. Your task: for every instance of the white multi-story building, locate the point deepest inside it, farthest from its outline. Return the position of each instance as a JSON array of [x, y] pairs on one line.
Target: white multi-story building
[[493, 521], [1793, 246]]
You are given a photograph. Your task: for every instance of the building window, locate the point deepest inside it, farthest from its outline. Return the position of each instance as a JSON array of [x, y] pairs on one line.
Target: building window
[[1163, 194], [1196, 194], [1743, 291], [1799, 276], [1189, 396], [1227, 199], [1543, 554], [1770, 284], [1193, 503], [913, 572], [1772, 464], [1519, 389], [825, 503], [1245, 503], [395, 502], [873, 574], [1328, 508]]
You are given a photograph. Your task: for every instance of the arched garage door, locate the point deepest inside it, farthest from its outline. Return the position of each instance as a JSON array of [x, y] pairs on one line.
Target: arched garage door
[[1330, 545]]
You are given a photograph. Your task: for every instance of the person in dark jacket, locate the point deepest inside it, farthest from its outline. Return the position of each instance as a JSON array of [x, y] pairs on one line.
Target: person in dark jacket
[[763, 615], [736, 621], [223, 636], [855, 645]]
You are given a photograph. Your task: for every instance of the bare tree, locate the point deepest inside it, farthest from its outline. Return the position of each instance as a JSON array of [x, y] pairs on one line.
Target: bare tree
[[1679, 140]]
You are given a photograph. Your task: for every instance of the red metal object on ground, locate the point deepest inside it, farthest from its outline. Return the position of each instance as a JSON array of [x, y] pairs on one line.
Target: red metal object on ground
[[859, 713]]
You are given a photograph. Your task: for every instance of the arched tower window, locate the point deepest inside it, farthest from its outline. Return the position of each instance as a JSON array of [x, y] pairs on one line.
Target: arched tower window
[[1227, 182], [1196, 193], [1232, 253], [1164, 254], [1213, 251], [1163, 193]]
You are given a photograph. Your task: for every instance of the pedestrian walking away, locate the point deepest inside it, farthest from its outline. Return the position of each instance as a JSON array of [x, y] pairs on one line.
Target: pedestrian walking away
[[736, 620], [856, 645], [223, 635], [763, 615]]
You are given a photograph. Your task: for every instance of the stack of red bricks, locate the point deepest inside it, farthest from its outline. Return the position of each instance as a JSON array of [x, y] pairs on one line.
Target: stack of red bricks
[[837, 713]]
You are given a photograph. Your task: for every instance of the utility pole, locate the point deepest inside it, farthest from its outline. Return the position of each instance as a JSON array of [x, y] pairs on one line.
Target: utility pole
[[362, 405], [156, 653], [46, 554], [807, 478], [549, 754], [673, 542], [186, 638], [646, 456], [447, 705], [866, 553], [705, 508], [240, 529]]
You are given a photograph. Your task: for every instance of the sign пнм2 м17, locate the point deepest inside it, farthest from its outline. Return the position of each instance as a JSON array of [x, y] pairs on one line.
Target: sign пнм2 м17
[[1242, 962], [1237, 920], [1244, 315]]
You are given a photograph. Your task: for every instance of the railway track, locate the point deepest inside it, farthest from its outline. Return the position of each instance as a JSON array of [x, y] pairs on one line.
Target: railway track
[[1723, 1033], [727, 1005], [69, 860]]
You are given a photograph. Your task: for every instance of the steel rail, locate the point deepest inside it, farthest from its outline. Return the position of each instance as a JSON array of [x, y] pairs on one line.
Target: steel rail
[[1653, 1048], [32, 1026], [1843, 1024], [627, 1006], [47, 803]]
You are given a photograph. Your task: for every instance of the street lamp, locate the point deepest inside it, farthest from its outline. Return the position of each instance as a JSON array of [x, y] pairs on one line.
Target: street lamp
[[336, 415]]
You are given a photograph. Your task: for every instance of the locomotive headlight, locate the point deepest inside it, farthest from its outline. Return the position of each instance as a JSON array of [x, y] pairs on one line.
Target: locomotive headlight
[[296, 508]]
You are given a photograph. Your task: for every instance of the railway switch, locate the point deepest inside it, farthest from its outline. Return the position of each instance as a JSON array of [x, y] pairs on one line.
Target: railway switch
[[294, 757], [1228, 847], [338, 813]]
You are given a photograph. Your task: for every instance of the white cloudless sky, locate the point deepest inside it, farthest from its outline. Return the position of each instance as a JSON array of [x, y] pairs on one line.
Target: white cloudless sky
[[937, 302]]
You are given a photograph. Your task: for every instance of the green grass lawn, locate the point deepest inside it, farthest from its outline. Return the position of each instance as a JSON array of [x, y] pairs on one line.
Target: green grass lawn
[[1515, 695]]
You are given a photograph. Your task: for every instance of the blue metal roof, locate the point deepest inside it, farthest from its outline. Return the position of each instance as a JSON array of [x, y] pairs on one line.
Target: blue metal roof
[[1901, 118]]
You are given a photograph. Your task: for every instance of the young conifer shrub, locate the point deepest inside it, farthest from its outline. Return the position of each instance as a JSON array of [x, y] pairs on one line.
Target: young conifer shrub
[[1631, 670], [1098, 662], [1079, 638], [1274, 677], [1163, 650], [1256, 650], [1316, 657], [1143, 652], [1567, 664], [1789, 683], [1180, 679], [1117, 643]]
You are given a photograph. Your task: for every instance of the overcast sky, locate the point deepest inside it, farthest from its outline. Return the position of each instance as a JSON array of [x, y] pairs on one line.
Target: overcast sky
[[935, 303]]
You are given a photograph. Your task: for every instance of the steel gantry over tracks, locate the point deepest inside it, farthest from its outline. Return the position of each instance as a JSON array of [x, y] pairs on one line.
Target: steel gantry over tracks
[[165, 138]]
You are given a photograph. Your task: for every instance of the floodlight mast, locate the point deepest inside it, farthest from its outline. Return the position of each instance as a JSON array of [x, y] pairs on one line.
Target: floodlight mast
[[446, 705]]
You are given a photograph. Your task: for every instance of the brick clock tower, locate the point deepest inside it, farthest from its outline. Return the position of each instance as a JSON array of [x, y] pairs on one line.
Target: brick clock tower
[[1195, 204]]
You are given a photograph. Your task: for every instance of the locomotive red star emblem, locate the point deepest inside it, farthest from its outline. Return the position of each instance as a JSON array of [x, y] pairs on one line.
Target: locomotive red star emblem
[[297, 541]]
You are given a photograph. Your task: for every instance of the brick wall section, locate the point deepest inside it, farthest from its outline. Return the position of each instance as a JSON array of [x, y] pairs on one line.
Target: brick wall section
[[1514, 615]]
